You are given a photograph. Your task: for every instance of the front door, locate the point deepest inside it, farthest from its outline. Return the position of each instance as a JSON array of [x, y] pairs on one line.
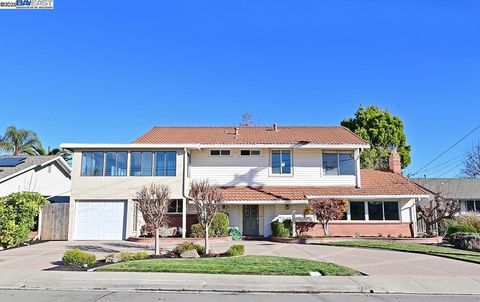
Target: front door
[[250, 220]]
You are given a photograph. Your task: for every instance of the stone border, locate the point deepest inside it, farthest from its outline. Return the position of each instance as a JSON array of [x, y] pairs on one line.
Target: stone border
[[433, 240], [177, 240]]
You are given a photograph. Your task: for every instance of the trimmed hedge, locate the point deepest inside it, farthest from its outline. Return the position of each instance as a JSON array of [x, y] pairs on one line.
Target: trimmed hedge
[[78, 258], [279, 229], [460, 228], [236, 250], [127, 256], [218, 228], [187, 246]]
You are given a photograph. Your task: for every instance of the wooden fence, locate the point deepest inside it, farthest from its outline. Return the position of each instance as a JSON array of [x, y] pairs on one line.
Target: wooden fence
[[54, 221]]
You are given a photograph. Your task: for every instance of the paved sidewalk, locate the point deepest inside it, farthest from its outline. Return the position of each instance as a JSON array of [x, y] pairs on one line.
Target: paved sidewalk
[[238, 283]]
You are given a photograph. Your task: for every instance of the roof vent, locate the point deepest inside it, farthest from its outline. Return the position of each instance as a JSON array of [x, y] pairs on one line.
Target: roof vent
[[275, 127]]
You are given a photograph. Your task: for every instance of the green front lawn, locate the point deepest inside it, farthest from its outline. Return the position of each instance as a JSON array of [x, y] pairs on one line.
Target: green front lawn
[[243, 265], [411, 247]]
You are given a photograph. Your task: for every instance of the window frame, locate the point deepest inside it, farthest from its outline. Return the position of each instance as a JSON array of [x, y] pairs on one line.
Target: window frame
[[281, 174], [141, 157], [367, 212], [339, 173], [93, 167], [165, 169], [250, 152], [219, 153], [116, 163], [179, 205]]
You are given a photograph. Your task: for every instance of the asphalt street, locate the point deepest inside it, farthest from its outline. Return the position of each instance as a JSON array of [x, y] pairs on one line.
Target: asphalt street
[[104, 296]]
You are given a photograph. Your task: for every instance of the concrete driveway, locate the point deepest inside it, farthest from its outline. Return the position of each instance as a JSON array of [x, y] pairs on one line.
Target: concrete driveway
[[370, 261]]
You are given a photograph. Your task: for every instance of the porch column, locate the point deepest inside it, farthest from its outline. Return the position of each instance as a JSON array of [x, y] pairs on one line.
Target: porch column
[[184, 217]]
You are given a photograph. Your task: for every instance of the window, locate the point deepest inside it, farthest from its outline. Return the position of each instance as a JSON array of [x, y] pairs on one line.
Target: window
[[219, 152], [391, 211], [472, 205], [357, 210], [338, 164], [281, 162], [92, 164], [141, 163], [250, 152], [116, 164], [176, 206], [165, 163], [375, 210]]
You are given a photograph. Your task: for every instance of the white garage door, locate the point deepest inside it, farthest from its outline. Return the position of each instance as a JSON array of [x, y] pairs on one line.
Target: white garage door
[[100, 220]]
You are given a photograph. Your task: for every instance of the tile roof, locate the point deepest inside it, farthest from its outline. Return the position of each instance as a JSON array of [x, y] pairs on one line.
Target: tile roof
[[374, 182], [30, 161], [250, 135], [454, 188]]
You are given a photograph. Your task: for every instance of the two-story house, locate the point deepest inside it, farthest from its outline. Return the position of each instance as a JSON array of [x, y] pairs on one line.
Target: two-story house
[[264, 172]]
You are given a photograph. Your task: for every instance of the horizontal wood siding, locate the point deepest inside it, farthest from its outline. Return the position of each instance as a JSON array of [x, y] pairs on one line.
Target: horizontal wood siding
[[236, 170]]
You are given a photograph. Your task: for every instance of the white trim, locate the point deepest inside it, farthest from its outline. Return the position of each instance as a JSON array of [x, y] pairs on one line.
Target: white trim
[[73, 146], [367, 197]]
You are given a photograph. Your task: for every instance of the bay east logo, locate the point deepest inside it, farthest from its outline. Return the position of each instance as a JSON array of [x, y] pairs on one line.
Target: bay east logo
[[34, 3]]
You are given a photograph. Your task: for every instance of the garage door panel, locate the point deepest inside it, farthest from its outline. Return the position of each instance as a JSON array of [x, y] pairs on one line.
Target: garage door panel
[[99, 220]]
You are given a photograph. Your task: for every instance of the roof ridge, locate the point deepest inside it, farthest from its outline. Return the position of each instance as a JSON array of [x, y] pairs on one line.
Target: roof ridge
[[233, 126]]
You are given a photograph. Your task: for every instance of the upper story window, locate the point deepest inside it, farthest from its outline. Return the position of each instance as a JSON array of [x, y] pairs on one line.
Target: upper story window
[[219, 152], [175, 206], [338, 163], [250, 152], [141, 163], [281, 162], [92, 163], [165, 163], [116, 164]]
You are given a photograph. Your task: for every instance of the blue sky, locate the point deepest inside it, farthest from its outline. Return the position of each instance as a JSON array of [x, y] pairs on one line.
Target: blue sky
[[104, 71]]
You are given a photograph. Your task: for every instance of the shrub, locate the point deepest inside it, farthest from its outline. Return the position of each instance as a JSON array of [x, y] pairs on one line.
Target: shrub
[[466, 241], [197, 231], [219, 226], [141, 255], [235, 233], [236, 250], [457, 228], [78, 258], [17, 216], [127, 256], [287, 223], [471, 219], [187, 246], [279, 229]]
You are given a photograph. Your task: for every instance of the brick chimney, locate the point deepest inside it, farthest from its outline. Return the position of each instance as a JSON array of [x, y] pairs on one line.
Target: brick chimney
[[394, 163]]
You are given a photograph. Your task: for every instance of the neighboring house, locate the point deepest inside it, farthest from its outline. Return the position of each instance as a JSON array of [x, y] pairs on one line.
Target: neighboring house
[[465, 190], [266, 173], [47, 175]]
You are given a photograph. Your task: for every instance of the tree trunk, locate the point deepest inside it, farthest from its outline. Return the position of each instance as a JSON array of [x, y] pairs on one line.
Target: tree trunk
[[325, 229], [206, 240], [157, 241]]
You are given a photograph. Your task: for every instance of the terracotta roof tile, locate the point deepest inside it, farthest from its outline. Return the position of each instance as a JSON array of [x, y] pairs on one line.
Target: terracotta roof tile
[[374, 182], [250, 135]]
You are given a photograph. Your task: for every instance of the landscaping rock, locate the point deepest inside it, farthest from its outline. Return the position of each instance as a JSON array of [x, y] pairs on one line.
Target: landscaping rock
[[190, 254], [112, 258]]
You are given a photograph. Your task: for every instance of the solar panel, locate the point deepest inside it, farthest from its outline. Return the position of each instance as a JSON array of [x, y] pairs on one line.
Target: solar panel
[[11, 161]]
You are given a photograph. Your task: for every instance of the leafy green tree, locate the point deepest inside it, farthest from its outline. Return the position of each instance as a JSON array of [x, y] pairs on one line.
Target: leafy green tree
[[19, 141], [17, 216], [384, 131], [67, 155]]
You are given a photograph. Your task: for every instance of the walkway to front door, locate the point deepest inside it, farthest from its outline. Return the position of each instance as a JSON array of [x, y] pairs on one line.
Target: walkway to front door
[[250, 220]]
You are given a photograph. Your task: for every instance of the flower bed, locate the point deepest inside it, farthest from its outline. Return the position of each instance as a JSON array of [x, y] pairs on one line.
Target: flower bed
[[177, 240], [432, 240]]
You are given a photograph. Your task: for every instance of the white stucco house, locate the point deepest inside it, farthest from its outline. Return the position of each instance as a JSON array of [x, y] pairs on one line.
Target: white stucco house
[[47, 175]]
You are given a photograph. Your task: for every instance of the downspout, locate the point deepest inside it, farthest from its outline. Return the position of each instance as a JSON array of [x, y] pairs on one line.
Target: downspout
[[357, 153], [184, 193]]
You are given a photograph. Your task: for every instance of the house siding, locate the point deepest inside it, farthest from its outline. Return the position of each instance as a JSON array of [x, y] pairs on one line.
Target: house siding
[[237, 170]]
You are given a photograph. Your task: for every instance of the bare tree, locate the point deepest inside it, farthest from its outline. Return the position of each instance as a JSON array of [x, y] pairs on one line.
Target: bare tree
[[208, 200], [153, 202], [436, 209], [246, 120], [471, 162], [326, 210]]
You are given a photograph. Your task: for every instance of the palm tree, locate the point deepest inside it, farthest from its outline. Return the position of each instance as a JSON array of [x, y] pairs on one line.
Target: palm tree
[[67, 156], [19, 141]]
